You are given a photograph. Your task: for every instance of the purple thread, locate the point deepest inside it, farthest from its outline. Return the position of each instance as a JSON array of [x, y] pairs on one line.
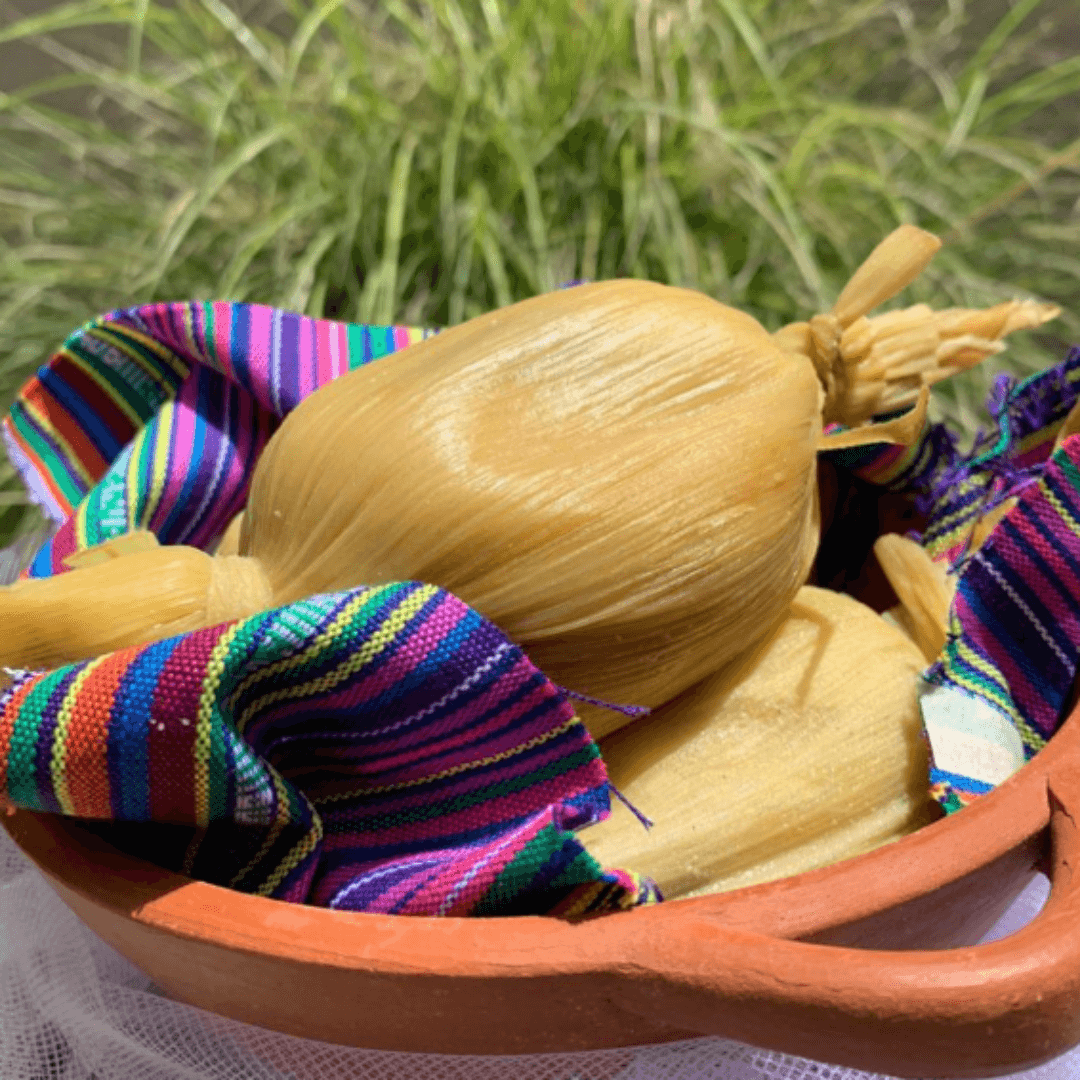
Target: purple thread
[[647, 822], [930, 491], [940, 486], [1012, 407], [1044, 406], [1034, 409], [626, 710], [998, 398]]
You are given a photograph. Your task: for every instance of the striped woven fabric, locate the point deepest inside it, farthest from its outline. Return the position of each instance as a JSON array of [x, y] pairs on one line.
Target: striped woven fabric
[[957, 489], [997, 692], [153, 417], [382, 749]]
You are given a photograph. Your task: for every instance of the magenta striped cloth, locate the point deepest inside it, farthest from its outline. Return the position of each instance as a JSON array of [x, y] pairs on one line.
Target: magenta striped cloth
[[999, 689], [154, 417], [438, 773]]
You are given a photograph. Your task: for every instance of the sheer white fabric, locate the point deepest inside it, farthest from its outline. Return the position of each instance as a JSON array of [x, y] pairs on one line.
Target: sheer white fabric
[[71, 1008]]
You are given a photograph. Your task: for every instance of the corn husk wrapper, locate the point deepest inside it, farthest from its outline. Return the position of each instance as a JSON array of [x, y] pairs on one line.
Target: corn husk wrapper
[[621, 476], [805, 752]]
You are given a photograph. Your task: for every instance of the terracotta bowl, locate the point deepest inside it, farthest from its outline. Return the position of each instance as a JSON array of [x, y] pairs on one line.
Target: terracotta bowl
[[862, 963]]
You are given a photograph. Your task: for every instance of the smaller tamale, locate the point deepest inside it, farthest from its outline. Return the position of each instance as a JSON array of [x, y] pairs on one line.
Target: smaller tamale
[[806, 751]]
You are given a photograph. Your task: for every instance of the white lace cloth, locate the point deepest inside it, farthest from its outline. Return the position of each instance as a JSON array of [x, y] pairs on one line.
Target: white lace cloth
[[71, 1008]]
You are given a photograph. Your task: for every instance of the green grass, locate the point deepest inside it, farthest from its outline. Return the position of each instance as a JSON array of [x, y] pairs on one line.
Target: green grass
[[394, 161]]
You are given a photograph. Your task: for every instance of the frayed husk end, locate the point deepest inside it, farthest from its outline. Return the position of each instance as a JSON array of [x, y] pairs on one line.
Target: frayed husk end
[[890, 357], [870, 366]]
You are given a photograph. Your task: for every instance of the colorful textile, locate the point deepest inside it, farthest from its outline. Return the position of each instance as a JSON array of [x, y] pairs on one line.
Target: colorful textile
[[154, 417], [382, 749], [997, 692]]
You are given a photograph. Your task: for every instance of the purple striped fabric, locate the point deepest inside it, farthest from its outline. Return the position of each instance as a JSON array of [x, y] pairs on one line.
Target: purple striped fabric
[[154, 417], [383, 749], [1011, 656]]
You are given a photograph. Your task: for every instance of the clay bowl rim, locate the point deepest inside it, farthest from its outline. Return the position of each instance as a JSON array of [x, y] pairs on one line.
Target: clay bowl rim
[[789, 908]]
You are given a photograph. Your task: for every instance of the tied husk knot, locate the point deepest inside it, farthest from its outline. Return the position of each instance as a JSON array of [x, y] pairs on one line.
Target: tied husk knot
[[137, 592], [870, 366]]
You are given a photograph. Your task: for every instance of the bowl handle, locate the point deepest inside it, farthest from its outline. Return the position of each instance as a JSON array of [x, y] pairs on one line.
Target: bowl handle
[[978, 1011]]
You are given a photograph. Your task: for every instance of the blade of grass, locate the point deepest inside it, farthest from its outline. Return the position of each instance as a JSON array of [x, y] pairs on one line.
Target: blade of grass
[[243, 34], [966, 116], [1067, 158], [354, 206], [448, 170], [462, 273], [489, 248], [299, 295], [135, 36], [132, 93], [534, 215], [202, 197], [977, 67], [1030, 93], [250, 244], [742, 22], [67, 17], [395, 217], [794, 234], [593, 222], [309, 26]]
